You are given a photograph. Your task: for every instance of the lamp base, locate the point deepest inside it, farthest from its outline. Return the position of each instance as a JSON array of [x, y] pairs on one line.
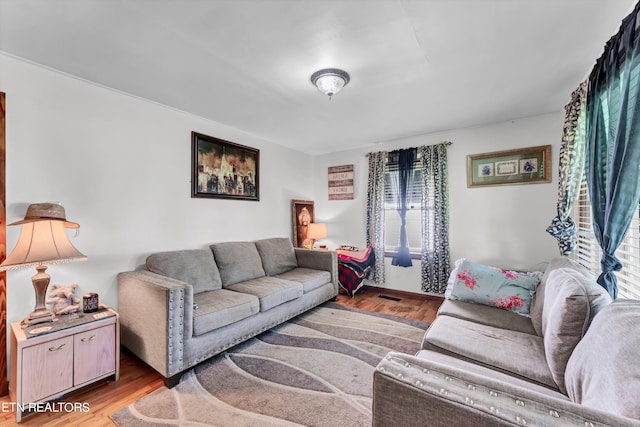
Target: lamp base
[[35, 317], [40, 313]]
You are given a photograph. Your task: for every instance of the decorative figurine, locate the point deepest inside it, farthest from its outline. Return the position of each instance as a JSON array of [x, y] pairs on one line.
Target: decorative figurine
[[63, 299]]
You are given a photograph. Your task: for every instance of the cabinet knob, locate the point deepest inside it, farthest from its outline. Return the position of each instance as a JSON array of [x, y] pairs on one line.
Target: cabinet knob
[[60, 347], [91, 338]]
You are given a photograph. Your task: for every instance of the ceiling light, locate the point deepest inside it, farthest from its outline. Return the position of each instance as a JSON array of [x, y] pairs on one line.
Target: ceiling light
[[330, 80]]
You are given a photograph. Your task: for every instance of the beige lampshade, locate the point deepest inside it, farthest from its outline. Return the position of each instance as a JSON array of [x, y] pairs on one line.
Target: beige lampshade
[[317, 231], [42, 242]]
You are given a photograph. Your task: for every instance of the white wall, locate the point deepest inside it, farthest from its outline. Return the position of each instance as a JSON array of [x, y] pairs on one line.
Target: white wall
[[121, 168], [502, 225]]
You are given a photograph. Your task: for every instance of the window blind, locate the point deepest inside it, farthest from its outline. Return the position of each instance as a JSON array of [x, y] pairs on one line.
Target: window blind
[[414, 215], [588, 252]]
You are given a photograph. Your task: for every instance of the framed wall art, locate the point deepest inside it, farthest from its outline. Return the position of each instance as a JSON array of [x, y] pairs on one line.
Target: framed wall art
[[224, 170], [340, 182], [302, 213], [522, 166]]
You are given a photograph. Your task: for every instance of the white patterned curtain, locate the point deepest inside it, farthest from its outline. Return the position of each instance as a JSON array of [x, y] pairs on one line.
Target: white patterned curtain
[[435, 218], [375, 213], [571, 165]]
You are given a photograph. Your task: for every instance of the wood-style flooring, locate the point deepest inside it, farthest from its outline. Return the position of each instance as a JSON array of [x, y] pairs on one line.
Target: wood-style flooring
[[138, 380], [412, 306]]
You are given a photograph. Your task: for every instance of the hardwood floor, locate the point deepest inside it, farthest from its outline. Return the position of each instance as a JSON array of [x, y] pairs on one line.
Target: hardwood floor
[[417, 307], [138, 380]]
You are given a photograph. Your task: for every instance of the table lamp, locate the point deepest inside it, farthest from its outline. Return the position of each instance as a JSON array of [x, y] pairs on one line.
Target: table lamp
[[316, 231], [42, 241]]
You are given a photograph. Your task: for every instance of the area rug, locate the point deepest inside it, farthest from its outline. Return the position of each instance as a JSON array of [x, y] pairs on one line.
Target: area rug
[[314, 370]]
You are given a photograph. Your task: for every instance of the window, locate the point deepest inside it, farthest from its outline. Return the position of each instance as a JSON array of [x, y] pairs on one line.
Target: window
[[588, 251], [429, 176], [414, 214]]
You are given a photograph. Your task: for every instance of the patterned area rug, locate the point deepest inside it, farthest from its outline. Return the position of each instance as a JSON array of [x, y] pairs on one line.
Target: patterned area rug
[[314, 370]]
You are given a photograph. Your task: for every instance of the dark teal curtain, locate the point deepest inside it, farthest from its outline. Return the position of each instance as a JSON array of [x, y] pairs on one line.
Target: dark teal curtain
[[406, 159], [613, 144]]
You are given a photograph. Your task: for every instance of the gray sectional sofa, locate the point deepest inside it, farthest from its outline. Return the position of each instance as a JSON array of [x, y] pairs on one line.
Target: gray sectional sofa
[[574, 361], [190, 305]]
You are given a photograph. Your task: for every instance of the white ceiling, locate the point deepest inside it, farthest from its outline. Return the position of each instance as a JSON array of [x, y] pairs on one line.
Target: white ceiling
[[416, 66]]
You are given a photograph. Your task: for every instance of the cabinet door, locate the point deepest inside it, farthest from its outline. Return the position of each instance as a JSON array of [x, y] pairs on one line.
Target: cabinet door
[[47, 369], [94, 354]]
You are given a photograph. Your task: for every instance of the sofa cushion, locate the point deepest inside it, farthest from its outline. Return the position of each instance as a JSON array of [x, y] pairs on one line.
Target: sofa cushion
[[602, 373], [537, 302], [486, 315], [193, 266], [278, 255], [221, 307], [453, 276], [515, 353], [570, 302], [482, 284], [237, 261], [309, 278], [271, 291], [465, 367]]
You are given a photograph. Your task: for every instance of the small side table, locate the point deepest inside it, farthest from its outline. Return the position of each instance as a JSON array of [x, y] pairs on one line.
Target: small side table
[[49, 360]]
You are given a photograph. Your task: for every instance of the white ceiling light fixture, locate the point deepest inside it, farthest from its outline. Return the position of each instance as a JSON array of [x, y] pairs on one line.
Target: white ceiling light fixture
[[330, 80]]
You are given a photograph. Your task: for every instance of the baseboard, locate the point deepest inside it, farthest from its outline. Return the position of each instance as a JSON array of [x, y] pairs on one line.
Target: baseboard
[[402, 294]]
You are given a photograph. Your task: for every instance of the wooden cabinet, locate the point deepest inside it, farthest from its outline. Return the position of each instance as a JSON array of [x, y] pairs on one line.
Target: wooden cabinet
[[93, 354], [47, 364], [47, 369]]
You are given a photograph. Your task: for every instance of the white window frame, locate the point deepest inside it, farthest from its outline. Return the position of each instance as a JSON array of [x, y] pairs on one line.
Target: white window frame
[[413, 218]]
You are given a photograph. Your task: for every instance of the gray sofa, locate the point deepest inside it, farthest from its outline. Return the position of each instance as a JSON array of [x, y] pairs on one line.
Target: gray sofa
[[190, 305], [575, 361]]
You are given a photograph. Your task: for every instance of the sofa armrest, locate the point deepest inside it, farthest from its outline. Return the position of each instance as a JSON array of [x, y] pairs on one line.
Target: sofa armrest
[[319, 260], [156, 316], [412, 391]]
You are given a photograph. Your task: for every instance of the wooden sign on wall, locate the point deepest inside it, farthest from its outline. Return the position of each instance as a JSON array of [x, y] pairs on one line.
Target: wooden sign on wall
[[341, 182]]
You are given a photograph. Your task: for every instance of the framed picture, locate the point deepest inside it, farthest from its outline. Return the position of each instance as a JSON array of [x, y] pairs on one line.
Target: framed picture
[[223, 170], [302, 215], [522, 166], [341, 182]]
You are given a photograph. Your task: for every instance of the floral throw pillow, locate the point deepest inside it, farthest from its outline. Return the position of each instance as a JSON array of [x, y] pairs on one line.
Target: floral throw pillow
[[503, 289]]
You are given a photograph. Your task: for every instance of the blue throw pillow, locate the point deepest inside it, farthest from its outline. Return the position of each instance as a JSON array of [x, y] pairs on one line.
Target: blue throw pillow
[[503, 289]]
